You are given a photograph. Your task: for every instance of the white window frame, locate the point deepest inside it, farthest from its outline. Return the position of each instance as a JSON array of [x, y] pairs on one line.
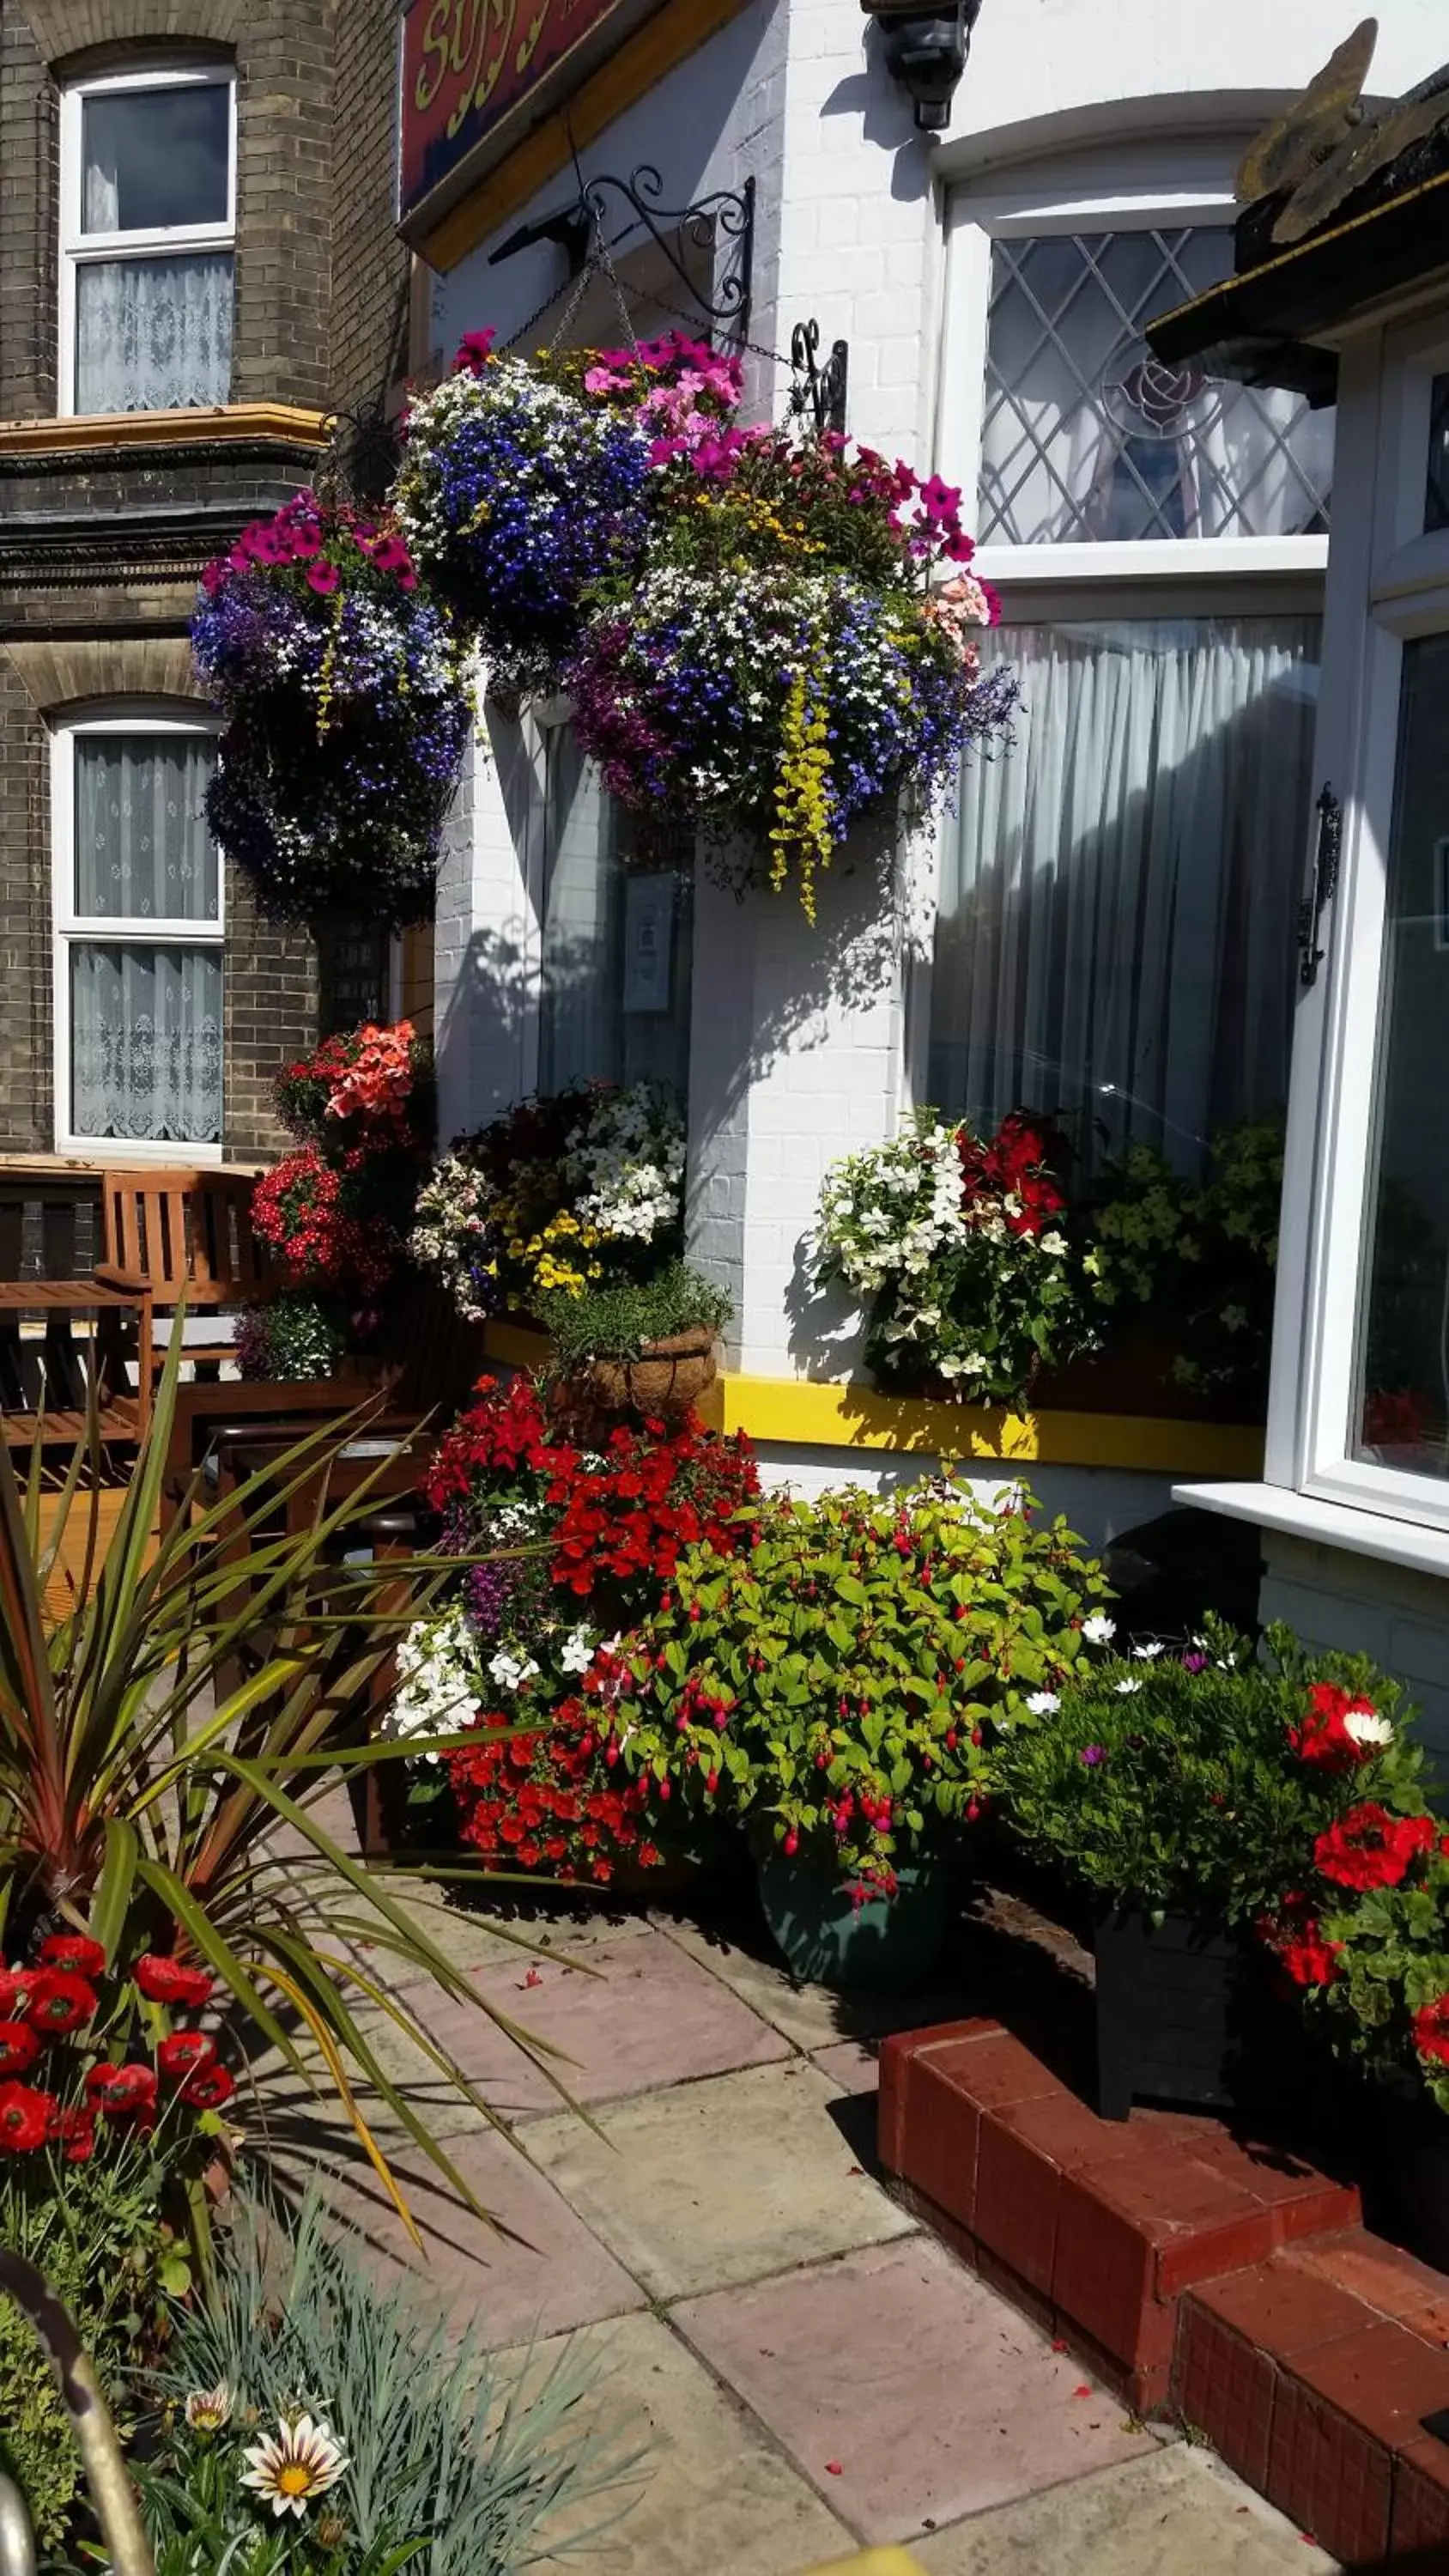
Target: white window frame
[[78, 247], [72, 929], [1389, 584]]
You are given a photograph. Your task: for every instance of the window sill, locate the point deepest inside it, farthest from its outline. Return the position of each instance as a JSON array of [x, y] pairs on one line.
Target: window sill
[[231, 421], [1277, 1507]]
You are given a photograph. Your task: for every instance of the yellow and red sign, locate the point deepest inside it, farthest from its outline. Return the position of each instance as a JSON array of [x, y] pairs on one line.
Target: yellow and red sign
[[468, 63]]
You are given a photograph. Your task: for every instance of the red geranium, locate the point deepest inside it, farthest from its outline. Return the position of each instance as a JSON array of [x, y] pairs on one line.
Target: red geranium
[[1322, 1735], [25, 2117], [75, 2130], [73, 1950], [183, 2052], [208, 2088], [61, 2001], [1012, 1168], [1431, 2030], [1301, 1951], [169, 1981], [1370, 1848], [305, 1210], [122, 2092], [19, 2048]]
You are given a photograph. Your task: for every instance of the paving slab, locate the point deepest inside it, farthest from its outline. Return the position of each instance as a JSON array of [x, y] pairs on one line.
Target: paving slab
[[905, 2390], [851, 2065], [716, 2499], [628, 2017], [719, 2181], [1178, 2514], [811, 2016], [538, 2271]]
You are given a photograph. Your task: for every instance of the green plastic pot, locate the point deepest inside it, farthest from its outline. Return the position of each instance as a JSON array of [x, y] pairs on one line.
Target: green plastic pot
[[889, 1943]]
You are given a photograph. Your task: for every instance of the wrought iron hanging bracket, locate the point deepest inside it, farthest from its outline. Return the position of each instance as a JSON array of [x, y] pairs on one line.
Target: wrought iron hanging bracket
[[820, 391], [1327, 853], [726, 215]]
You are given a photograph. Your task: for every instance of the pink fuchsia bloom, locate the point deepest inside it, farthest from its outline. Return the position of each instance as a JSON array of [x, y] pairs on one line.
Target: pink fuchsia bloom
[[323, 577]]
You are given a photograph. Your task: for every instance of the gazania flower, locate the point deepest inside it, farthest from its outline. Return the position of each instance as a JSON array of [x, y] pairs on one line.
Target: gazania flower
[[208, 2088], [60, 2001], [169, 1981], [209, 2409], [19, 2048], [25, 2117], [122, 2092], [302, 2462], [185, 2052], [73, 1950]]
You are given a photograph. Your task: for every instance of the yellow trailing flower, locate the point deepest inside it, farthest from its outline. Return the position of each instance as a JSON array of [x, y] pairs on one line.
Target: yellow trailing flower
[[801, 832]]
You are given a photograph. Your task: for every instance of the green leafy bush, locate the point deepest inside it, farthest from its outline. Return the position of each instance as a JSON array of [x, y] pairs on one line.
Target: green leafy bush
[[846, 1684], [614, 1323], [451, 2462], [1196, 1783], [1195, 1260]]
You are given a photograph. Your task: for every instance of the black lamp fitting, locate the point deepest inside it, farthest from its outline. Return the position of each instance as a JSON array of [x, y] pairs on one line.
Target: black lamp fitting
[[926, 50]]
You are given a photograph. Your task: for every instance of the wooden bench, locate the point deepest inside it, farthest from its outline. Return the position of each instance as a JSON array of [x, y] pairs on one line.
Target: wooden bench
[[184, 1235], [48, 1378]]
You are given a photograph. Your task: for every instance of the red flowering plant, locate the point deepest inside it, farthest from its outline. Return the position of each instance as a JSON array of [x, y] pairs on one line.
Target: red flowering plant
[[843, 1686], [956, 1246], [580, 1545], [1381, 1909]]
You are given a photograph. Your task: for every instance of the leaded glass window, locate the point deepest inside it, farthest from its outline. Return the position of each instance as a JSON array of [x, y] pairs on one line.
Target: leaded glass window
[[1436, 497], [1087, 436]]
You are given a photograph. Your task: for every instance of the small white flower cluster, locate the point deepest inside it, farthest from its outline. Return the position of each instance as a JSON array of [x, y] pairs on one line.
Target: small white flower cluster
[[441, 1682], [510, 1672], [453, 1234], [625, 1162]]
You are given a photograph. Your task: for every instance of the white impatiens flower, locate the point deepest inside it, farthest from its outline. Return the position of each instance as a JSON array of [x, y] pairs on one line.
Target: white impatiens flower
[[1149, 1653], [1041, 1703], [1367, 1727], [1125, 1689], [208, 2409], [510, 1672], [577, 1652], [1099, 1630], [303, 2461]]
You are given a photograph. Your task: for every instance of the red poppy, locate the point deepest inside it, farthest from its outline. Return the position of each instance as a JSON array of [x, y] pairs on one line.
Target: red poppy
[[122, 2091], [1370, 1848], [208, 2088], [75, 2130], [74, 1950], [61, 2001], [1431, 2030], [25, 2117], [185, 2052], [19, 2048], [17, 1985], [170, 1981]]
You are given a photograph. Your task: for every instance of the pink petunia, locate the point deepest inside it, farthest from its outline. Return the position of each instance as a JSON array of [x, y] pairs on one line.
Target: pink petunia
[[323, 577]]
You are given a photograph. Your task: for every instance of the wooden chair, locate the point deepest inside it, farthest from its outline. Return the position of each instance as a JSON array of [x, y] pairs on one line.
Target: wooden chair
[[183, 1234]]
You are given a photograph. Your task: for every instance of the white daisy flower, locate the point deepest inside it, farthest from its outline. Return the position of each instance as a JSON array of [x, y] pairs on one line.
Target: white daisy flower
[[1041, 1703], [303, 2461], [1125, 1689], [1367, 1727], [1149, 1653], [1099, 1629]]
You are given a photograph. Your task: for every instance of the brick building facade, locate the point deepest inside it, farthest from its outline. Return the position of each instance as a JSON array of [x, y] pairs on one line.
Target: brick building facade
[[198, 267]]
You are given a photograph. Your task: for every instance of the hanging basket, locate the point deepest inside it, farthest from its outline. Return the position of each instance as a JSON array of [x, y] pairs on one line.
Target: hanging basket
[[666, 1379]]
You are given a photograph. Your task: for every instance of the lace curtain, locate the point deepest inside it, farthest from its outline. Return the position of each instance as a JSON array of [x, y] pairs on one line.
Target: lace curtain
[[1118, 891], [146, 1043], [153, 334], [143, 851]]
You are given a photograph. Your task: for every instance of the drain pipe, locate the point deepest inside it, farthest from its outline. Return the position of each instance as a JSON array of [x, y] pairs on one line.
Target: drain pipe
[[112, 2493]]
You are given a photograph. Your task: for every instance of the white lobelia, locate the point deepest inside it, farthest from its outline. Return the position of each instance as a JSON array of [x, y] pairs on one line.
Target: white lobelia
[[301, 2462]]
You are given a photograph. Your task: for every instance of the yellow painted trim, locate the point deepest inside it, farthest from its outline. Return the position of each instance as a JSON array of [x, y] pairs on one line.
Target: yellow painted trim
[[641, 62], [874, 2562], [286, 421], [517, 1345], [805, 1416]]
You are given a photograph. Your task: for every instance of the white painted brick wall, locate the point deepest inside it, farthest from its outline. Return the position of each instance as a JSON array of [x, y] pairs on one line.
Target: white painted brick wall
[[1359, 1606]]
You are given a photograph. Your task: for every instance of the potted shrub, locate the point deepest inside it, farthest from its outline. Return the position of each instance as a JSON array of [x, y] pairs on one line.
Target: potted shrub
[[841, 1687], [1186, 1791], [648, 1345]]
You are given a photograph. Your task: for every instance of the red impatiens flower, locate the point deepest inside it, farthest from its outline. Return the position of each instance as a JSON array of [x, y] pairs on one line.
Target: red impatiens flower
[[170, 1981], [184, 2052], [73, 1950], [17, 1985], [19, 2048], [25, 2117], [122, 2092], [1370, 1848], [208, 2088], [61, 2001], [75, 2130], [1431, 2030]]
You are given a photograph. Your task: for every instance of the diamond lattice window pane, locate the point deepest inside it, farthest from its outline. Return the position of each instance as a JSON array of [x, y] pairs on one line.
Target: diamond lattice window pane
[[1087, 435], [1436, 497]]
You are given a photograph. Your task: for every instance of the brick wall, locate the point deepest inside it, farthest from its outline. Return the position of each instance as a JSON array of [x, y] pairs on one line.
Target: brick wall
[[369, 318], [271, 1016], [26, 1117]]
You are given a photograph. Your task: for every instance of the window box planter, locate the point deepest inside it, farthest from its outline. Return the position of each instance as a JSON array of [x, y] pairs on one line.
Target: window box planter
[[1190, 2013], [888, 1944]]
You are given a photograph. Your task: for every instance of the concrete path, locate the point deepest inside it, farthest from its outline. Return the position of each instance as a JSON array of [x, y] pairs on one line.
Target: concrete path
[[812, 2372]]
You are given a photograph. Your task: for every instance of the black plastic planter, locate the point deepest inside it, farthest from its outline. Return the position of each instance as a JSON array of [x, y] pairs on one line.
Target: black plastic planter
[[1404, 2167], [1190, 2014]]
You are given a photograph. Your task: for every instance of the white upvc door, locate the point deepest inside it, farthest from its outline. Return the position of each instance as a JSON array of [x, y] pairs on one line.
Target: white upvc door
[[1360, 1411]]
